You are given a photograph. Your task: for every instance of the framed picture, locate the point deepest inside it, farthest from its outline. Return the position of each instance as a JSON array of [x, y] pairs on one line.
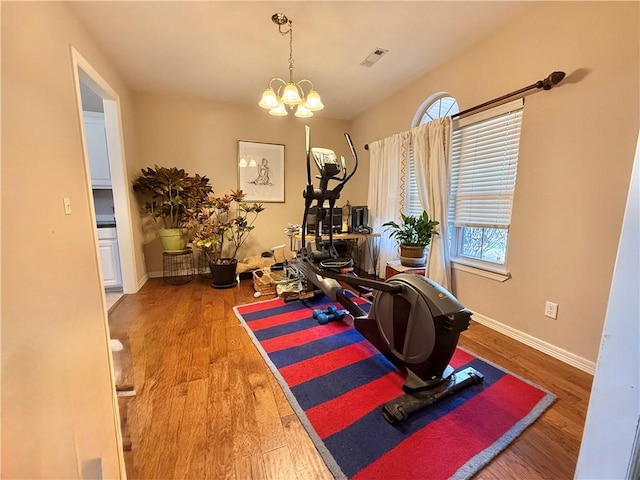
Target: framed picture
[[261, 171]]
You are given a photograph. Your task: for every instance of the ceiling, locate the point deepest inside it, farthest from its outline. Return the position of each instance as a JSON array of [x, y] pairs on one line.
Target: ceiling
[[228, 51]]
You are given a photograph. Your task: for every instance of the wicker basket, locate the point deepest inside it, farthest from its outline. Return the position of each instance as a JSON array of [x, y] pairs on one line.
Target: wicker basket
[[265, 280]]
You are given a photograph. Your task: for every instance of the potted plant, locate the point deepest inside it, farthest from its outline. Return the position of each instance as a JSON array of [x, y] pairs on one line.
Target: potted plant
[[168, 194], [220, 226], [413, 235]]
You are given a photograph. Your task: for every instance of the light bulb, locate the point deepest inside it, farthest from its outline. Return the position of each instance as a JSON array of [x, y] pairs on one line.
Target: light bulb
[[313, 101], [303, 112], [290, 95], [269, 99], [279, 111]]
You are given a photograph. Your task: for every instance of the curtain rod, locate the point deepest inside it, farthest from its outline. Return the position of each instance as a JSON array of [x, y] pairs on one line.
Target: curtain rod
[[553, 79]]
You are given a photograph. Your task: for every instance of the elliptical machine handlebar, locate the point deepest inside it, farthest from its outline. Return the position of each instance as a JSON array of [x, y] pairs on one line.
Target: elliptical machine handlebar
[[353, 154], [329, 170]]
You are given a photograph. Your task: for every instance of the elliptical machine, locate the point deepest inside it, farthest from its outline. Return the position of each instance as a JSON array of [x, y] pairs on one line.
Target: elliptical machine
[[413, 321]]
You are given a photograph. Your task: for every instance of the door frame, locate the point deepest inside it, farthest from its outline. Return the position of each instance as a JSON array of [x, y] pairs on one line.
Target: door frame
[[85, 73]]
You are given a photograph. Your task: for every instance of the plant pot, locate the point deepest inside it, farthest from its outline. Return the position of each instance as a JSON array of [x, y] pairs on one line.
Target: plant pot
[[413, 256], [223, 275], [174, 239]]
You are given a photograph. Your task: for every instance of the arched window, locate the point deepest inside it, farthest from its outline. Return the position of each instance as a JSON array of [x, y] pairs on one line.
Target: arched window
[[441, 106]]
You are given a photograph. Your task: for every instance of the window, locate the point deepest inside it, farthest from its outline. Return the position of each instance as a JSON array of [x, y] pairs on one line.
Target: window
[[483, 177], [484, 163], [436, 106]]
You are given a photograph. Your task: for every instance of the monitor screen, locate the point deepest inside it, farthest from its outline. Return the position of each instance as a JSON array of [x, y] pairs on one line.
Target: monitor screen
[[359, 217]]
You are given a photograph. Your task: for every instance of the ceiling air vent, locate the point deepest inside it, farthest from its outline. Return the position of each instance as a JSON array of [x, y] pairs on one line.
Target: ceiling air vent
[[373, 57]]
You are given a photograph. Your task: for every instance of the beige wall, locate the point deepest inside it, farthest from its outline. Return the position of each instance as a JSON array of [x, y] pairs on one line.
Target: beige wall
[[202, 137], [575, 160], [58, 404]]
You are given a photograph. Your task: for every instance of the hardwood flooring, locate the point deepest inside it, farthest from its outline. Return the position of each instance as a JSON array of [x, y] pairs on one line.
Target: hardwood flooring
[[208, 407]]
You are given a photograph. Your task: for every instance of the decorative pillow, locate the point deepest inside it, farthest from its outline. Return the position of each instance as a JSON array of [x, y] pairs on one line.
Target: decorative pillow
[[254, 262]]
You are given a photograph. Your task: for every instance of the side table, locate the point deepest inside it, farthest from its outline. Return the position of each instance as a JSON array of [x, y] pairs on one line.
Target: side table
[[394, 267]]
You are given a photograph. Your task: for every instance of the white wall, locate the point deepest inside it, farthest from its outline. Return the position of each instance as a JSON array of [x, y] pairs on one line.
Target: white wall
[[607, 443]]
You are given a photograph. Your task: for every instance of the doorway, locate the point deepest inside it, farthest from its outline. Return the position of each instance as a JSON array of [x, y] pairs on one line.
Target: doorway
[[95, 139], [107, 179]]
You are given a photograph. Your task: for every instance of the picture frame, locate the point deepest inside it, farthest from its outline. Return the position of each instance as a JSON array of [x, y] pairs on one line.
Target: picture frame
[[261, 171]]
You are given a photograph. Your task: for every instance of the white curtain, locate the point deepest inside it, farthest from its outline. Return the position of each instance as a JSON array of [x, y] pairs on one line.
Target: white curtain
[[387, 167], [432, 156]]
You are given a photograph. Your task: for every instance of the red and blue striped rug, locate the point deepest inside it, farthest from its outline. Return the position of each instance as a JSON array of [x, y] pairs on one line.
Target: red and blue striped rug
[[337, 383]]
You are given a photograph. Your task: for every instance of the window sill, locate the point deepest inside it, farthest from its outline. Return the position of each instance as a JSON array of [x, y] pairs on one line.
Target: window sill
[[494, 273]]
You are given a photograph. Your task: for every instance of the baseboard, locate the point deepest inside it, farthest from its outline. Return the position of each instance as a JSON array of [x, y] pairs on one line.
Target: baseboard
[[154, 274], [540, 345], [142, 281]]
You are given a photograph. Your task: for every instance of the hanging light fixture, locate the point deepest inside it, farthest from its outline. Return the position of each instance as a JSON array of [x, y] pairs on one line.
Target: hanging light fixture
[[289, 94]]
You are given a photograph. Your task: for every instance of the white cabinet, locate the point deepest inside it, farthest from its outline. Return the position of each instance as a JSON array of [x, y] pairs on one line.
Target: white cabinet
[[96, 139], [109, 257]]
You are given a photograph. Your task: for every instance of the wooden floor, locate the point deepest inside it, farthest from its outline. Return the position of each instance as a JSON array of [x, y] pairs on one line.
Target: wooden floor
[[207, 406]]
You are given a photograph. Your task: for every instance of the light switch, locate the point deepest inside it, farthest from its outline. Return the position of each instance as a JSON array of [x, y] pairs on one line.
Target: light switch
[[67, 206]]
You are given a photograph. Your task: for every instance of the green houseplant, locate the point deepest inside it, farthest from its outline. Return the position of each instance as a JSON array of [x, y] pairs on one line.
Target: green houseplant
[[220, 226], [413, 234], [168, 194]]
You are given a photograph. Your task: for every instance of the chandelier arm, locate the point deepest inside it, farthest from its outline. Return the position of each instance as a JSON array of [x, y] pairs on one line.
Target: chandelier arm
[[279, 79], [305, 80]]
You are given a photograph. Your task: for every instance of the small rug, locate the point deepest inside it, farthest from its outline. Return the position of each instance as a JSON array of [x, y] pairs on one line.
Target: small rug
[[337, 383]]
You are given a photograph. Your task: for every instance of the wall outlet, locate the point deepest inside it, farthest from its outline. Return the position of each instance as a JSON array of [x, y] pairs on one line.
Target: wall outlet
[[551, 310]]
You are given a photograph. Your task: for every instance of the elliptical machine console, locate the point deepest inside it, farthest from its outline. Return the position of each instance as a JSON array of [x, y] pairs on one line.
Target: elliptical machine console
[[413, 321]]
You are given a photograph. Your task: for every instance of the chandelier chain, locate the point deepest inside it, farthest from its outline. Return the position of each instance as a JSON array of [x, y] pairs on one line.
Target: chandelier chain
[[290, 33], [290, 51]]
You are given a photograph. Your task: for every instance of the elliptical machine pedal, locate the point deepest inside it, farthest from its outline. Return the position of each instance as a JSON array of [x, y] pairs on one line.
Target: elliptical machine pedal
[[398, 410], [340, 265]]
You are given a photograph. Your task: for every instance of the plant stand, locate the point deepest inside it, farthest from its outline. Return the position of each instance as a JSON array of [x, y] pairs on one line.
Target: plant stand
[[394, 267], [178, 267]]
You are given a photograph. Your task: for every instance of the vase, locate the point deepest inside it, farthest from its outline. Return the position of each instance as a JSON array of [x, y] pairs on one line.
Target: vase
[[174, 239], [413, 256], [223, 273]]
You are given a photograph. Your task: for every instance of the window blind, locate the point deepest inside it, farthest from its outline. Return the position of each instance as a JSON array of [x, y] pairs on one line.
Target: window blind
[[484, 164]]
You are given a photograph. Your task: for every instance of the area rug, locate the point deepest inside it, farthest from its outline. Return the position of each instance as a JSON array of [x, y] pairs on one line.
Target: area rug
[[337, 383]]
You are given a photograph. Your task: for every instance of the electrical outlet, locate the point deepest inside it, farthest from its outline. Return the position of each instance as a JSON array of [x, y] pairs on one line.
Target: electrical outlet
[[551, 310]]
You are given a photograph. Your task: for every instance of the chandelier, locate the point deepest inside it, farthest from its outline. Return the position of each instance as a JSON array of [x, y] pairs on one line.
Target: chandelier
[[289, 93]]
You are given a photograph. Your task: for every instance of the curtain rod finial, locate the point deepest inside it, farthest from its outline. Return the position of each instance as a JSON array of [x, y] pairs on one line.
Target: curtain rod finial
[[553, 79]]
